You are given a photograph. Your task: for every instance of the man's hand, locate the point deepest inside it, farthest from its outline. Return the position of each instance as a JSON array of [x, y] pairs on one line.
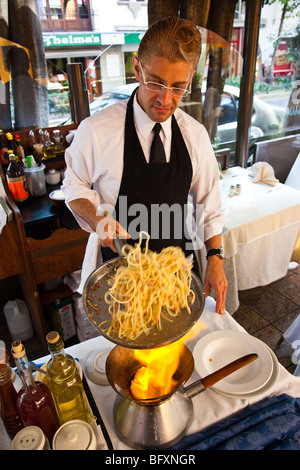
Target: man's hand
[[215, 279], [108, 229]]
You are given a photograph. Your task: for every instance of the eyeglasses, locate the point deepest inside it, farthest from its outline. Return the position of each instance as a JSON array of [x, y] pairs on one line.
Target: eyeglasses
[[158, 87]]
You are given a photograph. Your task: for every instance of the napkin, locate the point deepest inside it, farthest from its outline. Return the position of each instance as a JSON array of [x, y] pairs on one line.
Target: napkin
[[270, 424], [90, 262], [263, 173], [292, 336]]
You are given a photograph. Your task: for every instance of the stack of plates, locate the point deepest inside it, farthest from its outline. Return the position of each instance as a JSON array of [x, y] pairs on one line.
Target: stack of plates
[[221, 347]]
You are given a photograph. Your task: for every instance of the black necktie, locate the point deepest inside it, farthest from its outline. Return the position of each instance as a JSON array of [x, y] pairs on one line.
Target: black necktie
[[157, 153]]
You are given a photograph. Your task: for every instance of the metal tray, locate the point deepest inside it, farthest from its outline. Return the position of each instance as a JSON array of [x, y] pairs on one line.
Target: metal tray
[[97, 285]]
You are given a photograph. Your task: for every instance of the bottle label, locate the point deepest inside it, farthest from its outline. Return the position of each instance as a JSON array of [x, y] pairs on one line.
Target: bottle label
[[18, 188]]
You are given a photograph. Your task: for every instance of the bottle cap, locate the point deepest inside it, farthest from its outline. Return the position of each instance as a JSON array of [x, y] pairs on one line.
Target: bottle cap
[[52, 337], [17, 348], [74, 435], [55, 343], [30, 438]]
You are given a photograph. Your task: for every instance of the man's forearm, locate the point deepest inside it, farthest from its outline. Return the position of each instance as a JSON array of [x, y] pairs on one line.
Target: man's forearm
[[213, 242], [86, 210]]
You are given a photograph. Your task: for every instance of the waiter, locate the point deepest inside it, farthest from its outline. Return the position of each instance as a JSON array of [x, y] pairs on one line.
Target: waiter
[[143, 158]]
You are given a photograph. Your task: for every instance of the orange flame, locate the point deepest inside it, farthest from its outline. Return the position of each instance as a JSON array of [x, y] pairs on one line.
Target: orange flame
[[155, 377]]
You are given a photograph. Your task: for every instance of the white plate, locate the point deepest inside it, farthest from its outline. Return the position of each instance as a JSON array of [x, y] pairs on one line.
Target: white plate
[[95, 367], [221, 347], [265, 388]]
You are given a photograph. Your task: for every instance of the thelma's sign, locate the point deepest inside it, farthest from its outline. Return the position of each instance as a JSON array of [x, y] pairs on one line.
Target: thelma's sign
[[89, 39]]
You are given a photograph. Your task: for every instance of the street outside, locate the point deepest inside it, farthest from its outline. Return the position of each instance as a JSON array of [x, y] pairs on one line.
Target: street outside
[[275, 98]]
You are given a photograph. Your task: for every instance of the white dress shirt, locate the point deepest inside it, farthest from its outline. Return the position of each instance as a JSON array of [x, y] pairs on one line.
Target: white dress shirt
[[95, 160]]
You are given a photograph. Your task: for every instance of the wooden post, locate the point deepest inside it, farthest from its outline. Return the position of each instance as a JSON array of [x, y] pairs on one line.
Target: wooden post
[[158, 9], [28, 66], [5, 114], [195, 11], [253, 11]]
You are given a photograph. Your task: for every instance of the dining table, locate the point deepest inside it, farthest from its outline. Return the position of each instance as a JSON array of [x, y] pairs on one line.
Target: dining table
[[261, 229], [214, 335]]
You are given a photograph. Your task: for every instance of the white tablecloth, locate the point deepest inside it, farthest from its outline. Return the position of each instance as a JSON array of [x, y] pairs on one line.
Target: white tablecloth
[[260, 232], [209, 406]]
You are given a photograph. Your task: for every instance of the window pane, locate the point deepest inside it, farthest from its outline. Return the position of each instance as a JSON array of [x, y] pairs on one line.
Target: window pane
[[277, 85], [70, 9], [55, 9], [42, 7], [83, 9]]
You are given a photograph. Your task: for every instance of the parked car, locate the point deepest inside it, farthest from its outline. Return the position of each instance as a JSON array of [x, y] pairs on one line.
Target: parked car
[[264, 117], [111, 97]]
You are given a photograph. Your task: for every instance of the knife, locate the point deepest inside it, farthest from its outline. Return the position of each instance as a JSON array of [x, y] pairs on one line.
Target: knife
[[211, 379]]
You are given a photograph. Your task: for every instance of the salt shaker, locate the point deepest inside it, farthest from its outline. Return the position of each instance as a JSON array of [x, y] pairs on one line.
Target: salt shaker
[[30, 438]]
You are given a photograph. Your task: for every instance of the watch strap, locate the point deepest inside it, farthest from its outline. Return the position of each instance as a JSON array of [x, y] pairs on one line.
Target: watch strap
[[214, 251]]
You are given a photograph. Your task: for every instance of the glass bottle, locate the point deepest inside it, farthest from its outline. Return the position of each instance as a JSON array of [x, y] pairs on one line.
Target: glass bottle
[[65, 382], [48, 149], [16, 180], [34, 401], [3, 152], [37, 147], [32, 140], [58, 145], [8, 401], [10, 142], [20, 150]]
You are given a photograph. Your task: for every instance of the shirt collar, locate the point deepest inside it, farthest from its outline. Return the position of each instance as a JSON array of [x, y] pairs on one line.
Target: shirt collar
[[145, 124]]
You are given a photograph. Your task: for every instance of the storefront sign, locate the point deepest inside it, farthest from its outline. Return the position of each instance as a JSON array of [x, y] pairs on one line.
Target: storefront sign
[[89, 39]]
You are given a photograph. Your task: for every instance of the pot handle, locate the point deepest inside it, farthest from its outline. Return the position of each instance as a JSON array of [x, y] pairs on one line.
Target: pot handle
[[211, 379], [194, 389]]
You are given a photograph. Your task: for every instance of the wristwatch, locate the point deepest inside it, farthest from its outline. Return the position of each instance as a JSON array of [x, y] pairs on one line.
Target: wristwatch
[[216, 251]]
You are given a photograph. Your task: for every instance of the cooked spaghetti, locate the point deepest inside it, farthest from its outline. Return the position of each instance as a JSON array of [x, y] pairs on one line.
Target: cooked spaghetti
[[150, 287]]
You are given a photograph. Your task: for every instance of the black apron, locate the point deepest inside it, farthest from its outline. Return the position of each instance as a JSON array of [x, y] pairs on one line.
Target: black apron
[[157, 188]]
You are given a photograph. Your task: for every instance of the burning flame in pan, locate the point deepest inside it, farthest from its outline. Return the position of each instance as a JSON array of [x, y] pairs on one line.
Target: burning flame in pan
[[155, 378]]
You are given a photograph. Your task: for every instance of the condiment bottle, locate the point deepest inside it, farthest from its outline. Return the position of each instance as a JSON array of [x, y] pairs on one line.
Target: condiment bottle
[[30, 438], [58, 145], [65, 382], [48, 148], [8, 396], [37, 147], [3, 152], [16, 180], [34, 401], [20, 150], [10, 142], [32, 140], [75, 435]]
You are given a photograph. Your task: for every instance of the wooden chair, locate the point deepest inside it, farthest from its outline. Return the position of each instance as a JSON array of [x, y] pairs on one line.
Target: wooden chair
[[15, 260]]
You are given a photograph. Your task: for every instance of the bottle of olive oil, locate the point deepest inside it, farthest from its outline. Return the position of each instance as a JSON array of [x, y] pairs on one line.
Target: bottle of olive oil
[[65, 382]]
